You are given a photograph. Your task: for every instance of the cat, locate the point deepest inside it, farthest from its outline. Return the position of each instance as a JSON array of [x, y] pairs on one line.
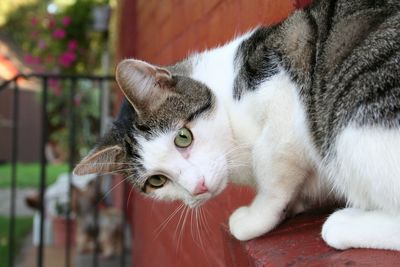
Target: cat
[[305, 111], [106, 227]]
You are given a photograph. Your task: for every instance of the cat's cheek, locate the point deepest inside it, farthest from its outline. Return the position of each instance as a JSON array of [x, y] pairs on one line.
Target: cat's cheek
[[185, 152], [222, 183], [220, 178], [167, 193]]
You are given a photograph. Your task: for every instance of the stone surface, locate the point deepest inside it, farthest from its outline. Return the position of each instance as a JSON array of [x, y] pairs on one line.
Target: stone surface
[[21, 208]]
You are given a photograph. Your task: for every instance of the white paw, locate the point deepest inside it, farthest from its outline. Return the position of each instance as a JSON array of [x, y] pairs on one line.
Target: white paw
[[338, 230], [245, 224]]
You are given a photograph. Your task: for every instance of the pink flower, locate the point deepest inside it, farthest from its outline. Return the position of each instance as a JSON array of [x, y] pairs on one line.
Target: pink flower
[[53, 82], [67, 58], [72, 45], [66, 21], [39, 68], [28, 59], [55, 87], [57, 90], [34, 21], [31, 60], [59, 34], [77, 100], [36, 60], [42, 44], [34, 34], [49, 59], [52, 23]]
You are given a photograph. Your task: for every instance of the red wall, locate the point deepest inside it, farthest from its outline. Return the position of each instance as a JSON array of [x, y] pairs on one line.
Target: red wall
[[163, 32]]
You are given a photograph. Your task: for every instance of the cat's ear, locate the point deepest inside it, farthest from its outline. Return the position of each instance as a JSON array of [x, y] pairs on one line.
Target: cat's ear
[[145, 86], [103, 159]]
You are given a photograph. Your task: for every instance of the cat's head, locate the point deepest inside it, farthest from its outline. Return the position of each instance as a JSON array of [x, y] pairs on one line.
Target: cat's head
[[171, 138]]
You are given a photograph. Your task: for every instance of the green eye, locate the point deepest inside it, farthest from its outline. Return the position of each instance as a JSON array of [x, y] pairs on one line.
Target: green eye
[[184, 138], [156, 181]]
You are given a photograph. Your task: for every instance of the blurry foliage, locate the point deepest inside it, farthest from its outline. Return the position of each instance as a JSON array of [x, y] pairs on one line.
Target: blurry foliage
[[59, 43], [8, 6], [86, 110], [63, 43]]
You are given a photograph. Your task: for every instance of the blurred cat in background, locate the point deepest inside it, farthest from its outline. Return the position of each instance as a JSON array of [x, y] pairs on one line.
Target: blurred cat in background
[[106, 226]]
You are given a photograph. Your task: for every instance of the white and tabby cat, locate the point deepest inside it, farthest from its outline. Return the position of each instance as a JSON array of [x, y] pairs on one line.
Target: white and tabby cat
[[304, 110]]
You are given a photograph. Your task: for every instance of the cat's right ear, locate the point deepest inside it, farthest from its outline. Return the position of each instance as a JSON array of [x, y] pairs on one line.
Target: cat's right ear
[[101, 160], [145, 86]]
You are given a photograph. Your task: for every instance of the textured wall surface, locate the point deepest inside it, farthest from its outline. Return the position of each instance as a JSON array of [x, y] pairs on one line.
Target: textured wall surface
[[163, 32], [29, 119]]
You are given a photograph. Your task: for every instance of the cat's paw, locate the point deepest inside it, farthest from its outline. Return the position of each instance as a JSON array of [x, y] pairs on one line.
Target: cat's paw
[[337, 231], [245, 224]]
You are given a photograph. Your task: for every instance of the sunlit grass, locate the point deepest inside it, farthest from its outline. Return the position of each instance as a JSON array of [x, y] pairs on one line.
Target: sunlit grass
[[28, 175], [23, 226]]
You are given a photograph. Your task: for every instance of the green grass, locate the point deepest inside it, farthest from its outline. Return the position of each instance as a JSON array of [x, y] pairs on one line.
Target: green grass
[[23, 226], [28, 175]]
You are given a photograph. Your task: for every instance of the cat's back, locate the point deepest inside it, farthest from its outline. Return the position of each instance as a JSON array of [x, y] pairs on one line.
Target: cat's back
[[343, 27], [357, 73]]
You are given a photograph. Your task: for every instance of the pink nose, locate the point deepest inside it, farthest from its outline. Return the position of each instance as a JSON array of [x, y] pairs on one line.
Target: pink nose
[[200, 188]]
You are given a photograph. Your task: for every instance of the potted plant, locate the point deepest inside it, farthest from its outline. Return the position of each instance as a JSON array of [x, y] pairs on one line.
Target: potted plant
[[60, 225]]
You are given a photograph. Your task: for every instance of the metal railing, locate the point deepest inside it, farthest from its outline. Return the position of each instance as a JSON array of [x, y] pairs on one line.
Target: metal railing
[[74, 81]]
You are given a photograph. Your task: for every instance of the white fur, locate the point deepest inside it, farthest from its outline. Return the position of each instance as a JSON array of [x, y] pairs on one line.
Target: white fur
[[366, 171], [356, 228], [263, 140], [201, 159], [366, 168]]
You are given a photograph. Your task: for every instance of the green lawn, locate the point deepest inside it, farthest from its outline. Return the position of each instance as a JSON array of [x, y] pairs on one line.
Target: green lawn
[[28, 175], [23, 226]]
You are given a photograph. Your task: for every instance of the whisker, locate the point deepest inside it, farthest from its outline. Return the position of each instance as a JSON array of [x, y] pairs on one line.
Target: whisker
[[180, 239], [204, 213], [177, 230], [191, 225], [199, 229], [109, 191], [129, 196], [239, 165], [164, 224], [178, 224], [107, 163]]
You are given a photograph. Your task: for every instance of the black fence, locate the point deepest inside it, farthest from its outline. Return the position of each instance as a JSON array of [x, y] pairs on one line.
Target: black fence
[[72, 83]]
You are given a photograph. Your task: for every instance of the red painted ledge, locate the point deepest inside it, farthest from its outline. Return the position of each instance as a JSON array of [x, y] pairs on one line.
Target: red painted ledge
[[297, 242]]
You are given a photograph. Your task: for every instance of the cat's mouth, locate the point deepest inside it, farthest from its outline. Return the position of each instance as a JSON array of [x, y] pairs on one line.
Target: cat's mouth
[[201, 199]]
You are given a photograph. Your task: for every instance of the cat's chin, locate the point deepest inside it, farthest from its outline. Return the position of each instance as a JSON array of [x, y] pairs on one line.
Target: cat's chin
[[197, 202]]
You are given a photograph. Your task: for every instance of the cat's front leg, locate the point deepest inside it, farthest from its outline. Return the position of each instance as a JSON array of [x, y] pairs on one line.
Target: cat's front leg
[[278, 182], [260, 217]]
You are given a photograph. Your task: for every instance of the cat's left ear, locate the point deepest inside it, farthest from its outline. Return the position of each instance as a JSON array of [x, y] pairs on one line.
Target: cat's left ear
[[145, 86], [101, 160]]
